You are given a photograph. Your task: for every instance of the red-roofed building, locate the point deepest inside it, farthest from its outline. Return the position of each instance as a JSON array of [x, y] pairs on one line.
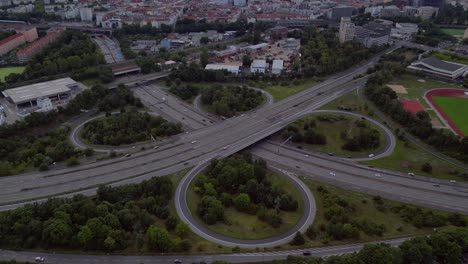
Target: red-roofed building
[[25, 54], [12, 42]]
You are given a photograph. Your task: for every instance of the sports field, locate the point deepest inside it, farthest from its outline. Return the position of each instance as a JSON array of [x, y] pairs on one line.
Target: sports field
[[7, 70], [453, 31], [457, 109]]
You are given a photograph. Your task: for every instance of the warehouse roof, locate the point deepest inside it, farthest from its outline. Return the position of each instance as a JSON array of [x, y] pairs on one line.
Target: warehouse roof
[[228, 67], [34, 91], [258, 64]]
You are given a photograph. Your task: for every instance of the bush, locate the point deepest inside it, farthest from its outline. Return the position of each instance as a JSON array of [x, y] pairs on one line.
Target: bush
[[73, 161], [426, 167], [298, 240], [311, 233]]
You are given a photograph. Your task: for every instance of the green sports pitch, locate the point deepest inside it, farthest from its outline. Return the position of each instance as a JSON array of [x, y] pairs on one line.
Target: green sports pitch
[[456, 108], [8, 70]]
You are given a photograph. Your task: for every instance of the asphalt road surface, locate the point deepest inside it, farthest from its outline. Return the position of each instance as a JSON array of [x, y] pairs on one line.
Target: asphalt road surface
[[192, 148], [186, 259]]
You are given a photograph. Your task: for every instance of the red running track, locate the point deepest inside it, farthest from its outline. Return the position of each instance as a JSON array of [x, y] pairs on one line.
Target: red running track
[[446, 93]]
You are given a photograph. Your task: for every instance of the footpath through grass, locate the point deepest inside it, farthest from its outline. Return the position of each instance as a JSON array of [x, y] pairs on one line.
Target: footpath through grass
[[8, 70], [246, 226], [457, 109]]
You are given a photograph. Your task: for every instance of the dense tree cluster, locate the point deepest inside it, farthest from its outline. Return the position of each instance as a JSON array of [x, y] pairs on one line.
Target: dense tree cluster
[[194, 73], [452, 15], [37, 141], [418, 124], [367, 138], [128, 127], [241, 182], [228, 101], [323, 54], [445, 247], [184, 91], [117, 218], [431, 35], [72, 52]]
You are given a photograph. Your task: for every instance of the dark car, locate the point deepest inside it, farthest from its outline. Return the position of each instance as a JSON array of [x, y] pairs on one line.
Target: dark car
[[306, 253]]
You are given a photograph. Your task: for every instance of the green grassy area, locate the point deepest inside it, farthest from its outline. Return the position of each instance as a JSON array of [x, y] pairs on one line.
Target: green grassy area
[[91, 82], [279, 92], [5, 71], [416, 157], [453, 31], [333, 131], [349, 101], [364, 209], [456, 109], [245, 226], [450, 57]]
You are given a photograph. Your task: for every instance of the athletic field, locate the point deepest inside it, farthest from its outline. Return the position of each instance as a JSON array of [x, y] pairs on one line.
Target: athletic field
[[457, 110], [7, 70]]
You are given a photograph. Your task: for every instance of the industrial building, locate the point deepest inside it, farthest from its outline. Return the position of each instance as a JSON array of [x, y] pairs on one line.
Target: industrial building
[[58, 91], [440, 68], [277, 66], [258, 66], [220, 66]]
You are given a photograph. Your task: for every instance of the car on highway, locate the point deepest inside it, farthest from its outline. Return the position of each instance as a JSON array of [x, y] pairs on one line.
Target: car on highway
[[193, 142], [307, 253], [453, 181], [226, 147], [436, 185], [377, 175], [155, 147], [331, 154], [177, 261], [185, 163], [410, 174], [306, 155], [332, 173], [39, 259], [371, 155], [127, 155]]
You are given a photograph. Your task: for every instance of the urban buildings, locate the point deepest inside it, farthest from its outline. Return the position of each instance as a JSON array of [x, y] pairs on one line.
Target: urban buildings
[[347, 30], [277, 66], [25, 54], [14, 41]]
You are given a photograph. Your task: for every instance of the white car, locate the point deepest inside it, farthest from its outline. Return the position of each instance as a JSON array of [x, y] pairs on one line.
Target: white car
[[453, 181], [193, 142], [39, 259], [410, 174], [377, 175], [371, 155], [332, 173], [155, 147], [306, 155], [224, 148]]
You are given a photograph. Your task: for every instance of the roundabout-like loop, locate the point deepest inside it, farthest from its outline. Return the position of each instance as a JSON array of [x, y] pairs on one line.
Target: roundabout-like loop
[[198, 228]]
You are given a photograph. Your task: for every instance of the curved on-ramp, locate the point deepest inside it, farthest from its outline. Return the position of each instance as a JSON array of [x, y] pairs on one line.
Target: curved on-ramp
[[186, 216]]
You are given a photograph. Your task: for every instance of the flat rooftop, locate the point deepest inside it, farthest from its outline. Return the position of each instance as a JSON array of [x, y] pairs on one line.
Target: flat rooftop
[[34, 91]]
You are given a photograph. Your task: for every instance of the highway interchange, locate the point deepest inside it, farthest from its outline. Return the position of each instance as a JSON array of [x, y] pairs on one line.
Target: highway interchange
[[210, 140]]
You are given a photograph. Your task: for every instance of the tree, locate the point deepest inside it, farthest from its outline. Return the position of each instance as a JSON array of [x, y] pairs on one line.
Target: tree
[[158, 239], [416, 251], [182, 229], [378, 254], [310, 232], [242, 202], [298, 239], [85, 236], [204, 58], [445, 251], [246, 60], [204, 40], [56, 232], [426, 167]]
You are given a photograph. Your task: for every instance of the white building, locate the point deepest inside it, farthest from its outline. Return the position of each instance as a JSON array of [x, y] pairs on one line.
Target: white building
[[427, 12], [277, 67], [440, 68], [258, 66], [347, 30], [86, 14], [220, 66], [240, 2], [44, 104]]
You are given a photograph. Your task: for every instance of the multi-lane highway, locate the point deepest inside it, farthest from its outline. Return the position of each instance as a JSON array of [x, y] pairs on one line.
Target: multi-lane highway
[[195, 147]]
